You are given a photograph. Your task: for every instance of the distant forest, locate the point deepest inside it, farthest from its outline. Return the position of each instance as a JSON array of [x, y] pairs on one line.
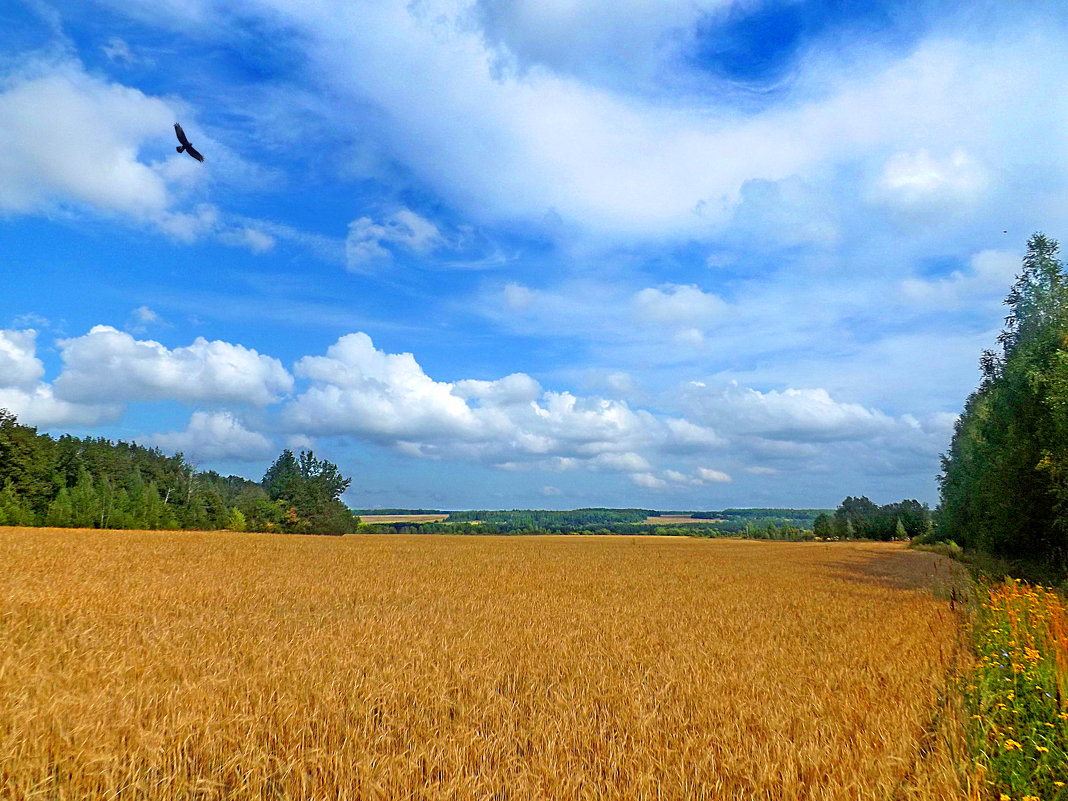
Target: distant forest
[[92, 482]]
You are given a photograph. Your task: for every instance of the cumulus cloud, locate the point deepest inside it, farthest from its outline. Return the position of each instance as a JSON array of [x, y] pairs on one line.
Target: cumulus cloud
[[792, 414], [211, 436], [713, 476], [37, 405], [68, 137], [32, 400], [110, 365], [512, 422], [648, 481], [19, 365]]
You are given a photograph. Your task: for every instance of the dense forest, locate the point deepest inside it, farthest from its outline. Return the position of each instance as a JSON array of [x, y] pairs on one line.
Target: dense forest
[[1004, 481], [96, 483]]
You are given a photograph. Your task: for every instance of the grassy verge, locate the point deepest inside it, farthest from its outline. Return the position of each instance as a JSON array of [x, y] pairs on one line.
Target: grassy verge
[[1018, 695]]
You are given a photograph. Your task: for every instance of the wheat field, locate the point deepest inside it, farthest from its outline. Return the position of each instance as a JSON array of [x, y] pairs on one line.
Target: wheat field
[[241, 666]]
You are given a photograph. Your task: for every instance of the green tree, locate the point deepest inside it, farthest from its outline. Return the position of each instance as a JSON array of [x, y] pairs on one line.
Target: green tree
[[1003, 483], [310, 490], [822, 526], [60, 511], [236, 521]]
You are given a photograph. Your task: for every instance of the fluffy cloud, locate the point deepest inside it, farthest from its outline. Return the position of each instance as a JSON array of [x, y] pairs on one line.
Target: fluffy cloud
[[713, 476], [359, 389], [110, 365], [19, 365], [802, 415], [68, 137], [38, 406], [512, 422], [30, 399], [648, 481], [210, 436]]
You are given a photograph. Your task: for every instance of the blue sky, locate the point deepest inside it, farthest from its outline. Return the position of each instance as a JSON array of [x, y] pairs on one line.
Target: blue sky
[[525, 254]]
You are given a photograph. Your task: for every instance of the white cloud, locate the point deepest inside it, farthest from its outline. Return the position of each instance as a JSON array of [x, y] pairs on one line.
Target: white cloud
[[19, 365], [989, 278], [369, 241], [33, 401], [628, 36], [682, 306], [501, 144], [252, 239], [512, 422], [648, 481], [759, 470], [918, 178], [110, 365], [37, 405], [141, 319], [65, 136], [792, 414], [713, 476], [211, 436], [359, 389], [628, 462]]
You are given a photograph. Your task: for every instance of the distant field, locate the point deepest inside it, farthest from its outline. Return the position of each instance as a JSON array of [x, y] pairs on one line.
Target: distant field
[[402, 518], [248, 666], [674, 520]]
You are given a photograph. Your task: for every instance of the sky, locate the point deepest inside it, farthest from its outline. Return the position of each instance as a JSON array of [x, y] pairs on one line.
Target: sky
[[693, 254]]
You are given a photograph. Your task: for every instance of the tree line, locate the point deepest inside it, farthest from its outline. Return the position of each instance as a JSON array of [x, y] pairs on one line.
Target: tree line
[[1004, 479], [861, 518], [92, 482]]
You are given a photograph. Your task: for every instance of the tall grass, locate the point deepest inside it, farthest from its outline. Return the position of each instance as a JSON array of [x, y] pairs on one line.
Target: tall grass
[[242, 666], [1018, 697]]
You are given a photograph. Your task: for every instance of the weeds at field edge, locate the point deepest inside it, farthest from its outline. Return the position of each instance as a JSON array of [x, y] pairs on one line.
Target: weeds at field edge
[[1017, 700]]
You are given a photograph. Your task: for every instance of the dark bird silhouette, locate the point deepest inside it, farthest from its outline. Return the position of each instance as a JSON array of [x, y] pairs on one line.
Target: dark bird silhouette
[[188, 148]]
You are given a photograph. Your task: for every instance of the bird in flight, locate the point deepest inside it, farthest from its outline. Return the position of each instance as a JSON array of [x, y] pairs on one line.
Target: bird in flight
[[188, 148]]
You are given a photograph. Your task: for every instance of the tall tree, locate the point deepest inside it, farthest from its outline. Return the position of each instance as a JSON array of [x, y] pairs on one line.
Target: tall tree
[[1004, 481]]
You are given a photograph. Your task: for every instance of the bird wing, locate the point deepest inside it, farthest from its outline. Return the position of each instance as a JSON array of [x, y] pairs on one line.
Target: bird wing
[[192, 151], [181, 134]]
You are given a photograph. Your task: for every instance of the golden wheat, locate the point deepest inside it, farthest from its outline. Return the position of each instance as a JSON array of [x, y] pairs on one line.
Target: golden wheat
[[219, 665]]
